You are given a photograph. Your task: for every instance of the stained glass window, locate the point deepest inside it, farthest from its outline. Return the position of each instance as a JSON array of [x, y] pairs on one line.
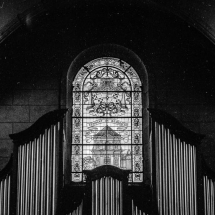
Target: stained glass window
[[107, 118]]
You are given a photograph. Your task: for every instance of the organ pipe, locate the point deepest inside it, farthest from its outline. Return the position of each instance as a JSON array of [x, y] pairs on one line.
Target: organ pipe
[[209, 195], [136, 211], [37, 174], [34, 179], [78, 210], [175, 174], [5, 189], [107, 196]]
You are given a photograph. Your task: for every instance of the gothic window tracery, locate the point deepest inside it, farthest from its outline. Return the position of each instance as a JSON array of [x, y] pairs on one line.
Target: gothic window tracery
[[107, 118]]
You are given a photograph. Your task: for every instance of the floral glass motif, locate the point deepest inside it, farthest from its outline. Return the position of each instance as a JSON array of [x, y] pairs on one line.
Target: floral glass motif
[[107, 118]]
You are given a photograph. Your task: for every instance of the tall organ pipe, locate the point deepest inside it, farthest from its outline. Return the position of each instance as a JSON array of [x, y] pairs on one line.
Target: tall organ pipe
[[176, 176], [175, 166], [37, 165]]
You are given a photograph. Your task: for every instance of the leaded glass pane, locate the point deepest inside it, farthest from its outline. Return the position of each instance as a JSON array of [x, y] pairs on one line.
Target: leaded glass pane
[[107, 123]]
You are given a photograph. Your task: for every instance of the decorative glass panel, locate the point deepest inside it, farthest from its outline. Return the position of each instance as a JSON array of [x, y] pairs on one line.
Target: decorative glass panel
[[107, 118]]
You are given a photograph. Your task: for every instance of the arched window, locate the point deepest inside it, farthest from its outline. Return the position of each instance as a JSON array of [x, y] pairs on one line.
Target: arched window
[[107, 118]]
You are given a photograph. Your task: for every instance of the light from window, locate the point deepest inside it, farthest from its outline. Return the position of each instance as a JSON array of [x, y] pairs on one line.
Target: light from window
[[107, 118]]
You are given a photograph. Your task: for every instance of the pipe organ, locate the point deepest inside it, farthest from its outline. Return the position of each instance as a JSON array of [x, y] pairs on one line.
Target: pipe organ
[[5, 195], [107, 196], [107, 188], [38, 151], [136, 210], [176, 173], [209, 196], [174, 166], [78, 210], [5, 189], [37, 174], [32, 181], [209, 189]]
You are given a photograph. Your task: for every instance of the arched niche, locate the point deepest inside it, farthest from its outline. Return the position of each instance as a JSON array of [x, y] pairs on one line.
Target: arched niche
[[124, 56]]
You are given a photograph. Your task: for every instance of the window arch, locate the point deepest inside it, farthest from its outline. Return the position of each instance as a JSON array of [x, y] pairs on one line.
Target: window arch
[[107, 116]]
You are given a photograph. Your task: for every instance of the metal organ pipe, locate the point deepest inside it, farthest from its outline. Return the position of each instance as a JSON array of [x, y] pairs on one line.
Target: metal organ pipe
[[107, 196], [5, 186], [78, 210], [37, 175], [136, 211], [209, 195], [175, 174]]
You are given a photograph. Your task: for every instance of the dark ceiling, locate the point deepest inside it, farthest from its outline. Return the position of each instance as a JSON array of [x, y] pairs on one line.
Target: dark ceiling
[[198, 13], [48, 33]]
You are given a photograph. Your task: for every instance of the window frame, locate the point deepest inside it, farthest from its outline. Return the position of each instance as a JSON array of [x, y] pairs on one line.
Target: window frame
[[120, 79], [114, 51]]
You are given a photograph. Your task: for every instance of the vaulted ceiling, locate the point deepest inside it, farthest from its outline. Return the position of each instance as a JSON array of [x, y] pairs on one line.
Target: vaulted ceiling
[[178, 34], [198, 13]]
